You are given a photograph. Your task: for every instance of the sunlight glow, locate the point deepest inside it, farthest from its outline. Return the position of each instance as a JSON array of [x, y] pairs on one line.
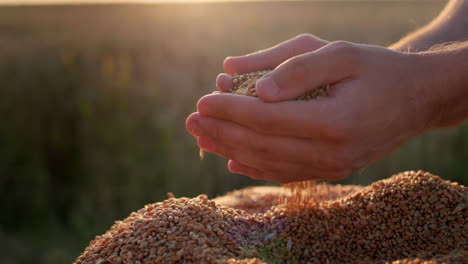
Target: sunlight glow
[[45, 2], [78, 2]]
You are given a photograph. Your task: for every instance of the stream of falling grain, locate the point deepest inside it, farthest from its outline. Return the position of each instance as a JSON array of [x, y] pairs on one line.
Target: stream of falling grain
[[302, 195], [302, 192], [202, 154]]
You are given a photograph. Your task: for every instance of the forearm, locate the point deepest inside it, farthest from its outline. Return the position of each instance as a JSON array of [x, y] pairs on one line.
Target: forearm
[[451, 25], [447, 84]]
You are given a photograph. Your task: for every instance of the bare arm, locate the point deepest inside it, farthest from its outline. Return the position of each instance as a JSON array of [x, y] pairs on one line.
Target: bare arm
[[451, 25], [444, 42], [448, 75]]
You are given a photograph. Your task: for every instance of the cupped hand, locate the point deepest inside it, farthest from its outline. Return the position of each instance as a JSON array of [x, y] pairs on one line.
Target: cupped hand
[[378, 99]]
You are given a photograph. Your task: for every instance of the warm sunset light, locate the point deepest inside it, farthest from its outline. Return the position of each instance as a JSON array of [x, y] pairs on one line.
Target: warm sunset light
[[152, 131], [43, 2]]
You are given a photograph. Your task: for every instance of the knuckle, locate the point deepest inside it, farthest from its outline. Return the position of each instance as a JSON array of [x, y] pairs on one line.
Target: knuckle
[[297, 71], [305, 38], [347, 51], [342, 46]]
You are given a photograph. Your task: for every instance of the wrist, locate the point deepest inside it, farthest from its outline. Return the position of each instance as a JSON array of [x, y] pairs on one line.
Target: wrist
[[444, 86], [402, 47]]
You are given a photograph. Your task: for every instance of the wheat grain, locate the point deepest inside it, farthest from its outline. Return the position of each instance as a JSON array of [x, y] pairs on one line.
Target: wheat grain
[[412, 217], [245, 84]]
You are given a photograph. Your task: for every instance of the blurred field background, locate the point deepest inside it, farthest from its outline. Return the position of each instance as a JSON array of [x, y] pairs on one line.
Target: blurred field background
[[93, 101]]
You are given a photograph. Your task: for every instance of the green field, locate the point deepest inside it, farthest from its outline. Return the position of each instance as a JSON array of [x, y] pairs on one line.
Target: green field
[[93, 101]]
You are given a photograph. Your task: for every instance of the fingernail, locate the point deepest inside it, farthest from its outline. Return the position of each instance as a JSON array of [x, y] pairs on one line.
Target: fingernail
[[224, 82], [233, 166], [267, 88], [205, 143]]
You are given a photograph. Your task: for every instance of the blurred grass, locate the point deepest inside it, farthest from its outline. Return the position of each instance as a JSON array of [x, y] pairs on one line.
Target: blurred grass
[[93, 101]]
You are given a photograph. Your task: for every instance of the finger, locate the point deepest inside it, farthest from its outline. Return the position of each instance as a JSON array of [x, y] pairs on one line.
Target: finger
[[233, 141], [286, 160], [290, 118], [224, 82], [311, 169], [264, 159], [308, 71], [239, 168], [280, 176], [272, 57], [244, 156], [234, 137], [308, 175]]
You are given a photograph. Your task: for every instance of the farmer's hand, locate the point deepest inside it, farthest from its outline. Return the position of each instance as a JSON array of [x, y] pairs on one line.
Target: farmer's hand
[[378, 99]]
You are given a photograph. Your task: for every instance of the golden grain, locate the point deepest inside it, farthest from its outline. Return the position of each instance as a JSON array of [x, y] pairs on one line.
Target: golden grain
[[245, 84], [336, 226]]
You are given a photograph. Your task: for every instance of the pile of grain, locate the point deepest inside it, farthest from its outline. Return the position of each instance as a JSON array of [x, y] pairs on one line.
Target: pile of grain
[[409, 218]]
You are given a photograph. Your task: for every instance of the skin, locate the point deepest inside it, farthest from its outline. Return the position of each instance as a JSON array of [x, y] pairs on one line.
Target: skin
[[379, 98]]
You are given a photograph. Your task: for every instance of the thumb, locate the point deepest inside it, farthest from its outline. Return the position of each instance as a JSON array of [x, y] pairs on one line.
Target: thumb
[[296, 76], [270, 58]]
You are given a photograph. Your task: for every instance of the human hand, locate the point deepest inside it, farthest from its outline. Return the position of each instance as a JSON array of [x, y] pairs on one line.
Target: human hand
[[377, 100]]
